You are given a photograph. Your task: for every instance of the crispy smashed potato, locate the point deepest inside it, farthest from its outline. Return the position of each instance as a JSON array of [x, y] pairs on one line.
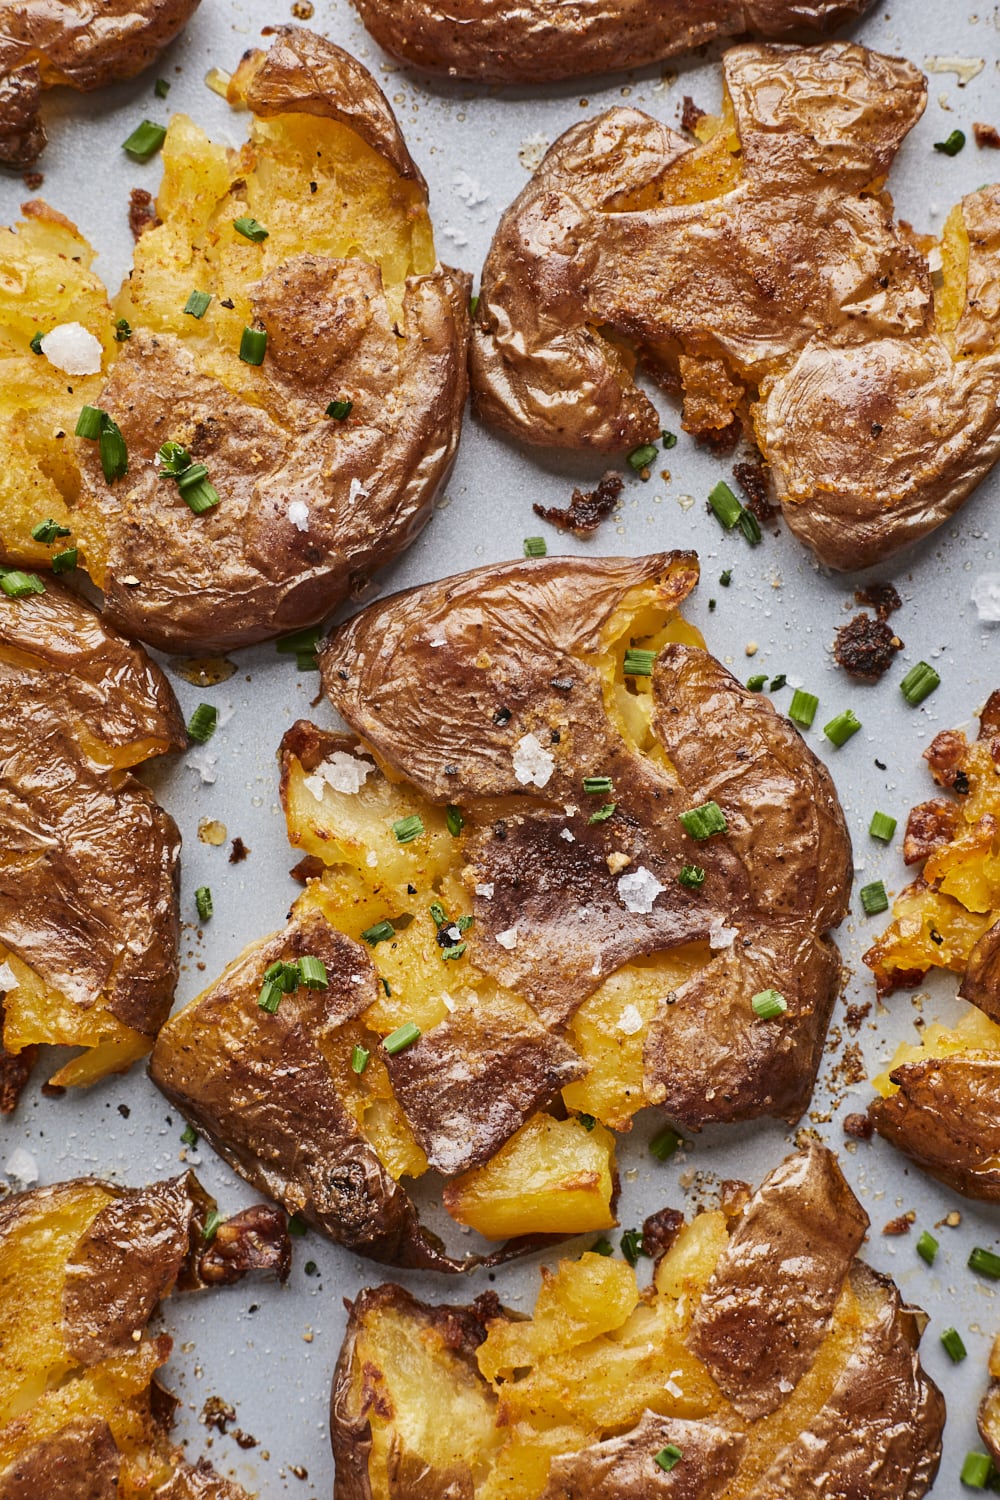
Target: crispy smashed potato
[[989, 1407], [83, 1266], [88, 881], [499, 863], [337, 268], [44, 43], [763, 1361], [763, 271], [533, 41], [938, 1098]]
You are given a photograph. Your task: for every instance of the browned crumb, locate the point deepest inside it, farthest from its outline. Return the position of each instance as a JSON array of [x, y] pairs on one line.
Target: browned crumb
[[723, 439], [690, 114], [945, 755], [33, 181], [734, 1196], [950, 1221], [217, 1413], [302, 10], [587, 508], [15, 1070], [929, 825], [660, 1230], [859, 1126], [881, 597], [244, 1439], [865, 647], [238, 852], [854, 1015], [309, 867], [986, 135], [256, 1239], [141, 212], [902, 1225], [753, 481], [299, 1470], [852, 1065]]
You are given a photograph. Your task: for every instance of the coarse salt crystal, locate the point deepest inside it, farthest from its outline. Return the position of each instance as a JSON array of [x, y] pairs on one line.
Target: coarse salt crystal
[[638, 890], [486, 889], [298, 514], [986, 597], [204, 762], [22, 1167], [341, 772], [630, 1020], [720, 936], [570, 838], [532, 762], [508, 939], [447, 1001], [438, 640], [371, 859], [8, 979], [356, 492], [72, 349], [468, 189]]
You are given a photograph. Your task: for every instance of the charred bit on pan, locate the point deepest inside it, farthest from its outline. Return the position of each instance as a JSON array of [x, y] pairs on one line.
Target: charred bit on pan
[[902, 1224], [238, 852], [660, 1230], [691, 114], [255, 1239], [986, 135], [587, 508], [753, 480], [858, 1126], [141, 212], [881, 597], [865, 647]]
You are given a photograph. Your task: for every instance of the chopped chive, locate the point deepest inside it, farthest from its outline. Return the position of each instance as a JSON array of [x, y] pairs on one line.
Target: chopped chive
[[305, 661], [535, 546], [704, 821], [311, 1268], [919, 682], [882, 827], [638, 663], [455, 951], [36, 342], [339, 410], [89, 423], [977, 1470], [250, 229], [602, 1247], [668, 1458], [145, 140], [756, 683], [725, 505], [313, 972], [778, 682], [603, 813], [954, 1347], [200, 497], [597, 786], [769, 1004], [300, 640], [270, 996], [386, 987], [297, 1226], [726, 578], [691, 876], [640, 458], [403, 1037], [64, 562], [669, 440], [437, 911], [161, 88], [18, 585], [632, 1246], [802, 709], [587, 1121], [408, 829], [201, 725], [927, 1247], [197, 304], [453, 818], [189, 477], [123, 331], [874, 898], [111, 446], [473, 305], [380, 933], [189, 1136], [953, 145], [211, 1225], [664, 1143], [840, 729], [174, 457], [464, 923], [203, 903], [285, 976], [48, 531], [749, 526], [985, 1262], [253, 346], [359, 1059]]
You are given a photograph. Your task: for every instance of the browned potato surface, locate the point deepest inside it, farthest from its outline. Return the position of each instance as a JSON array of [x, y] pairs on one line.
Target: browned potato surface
[[528, 929], [83, 1267], [358, 316], [531, 41], [762, 270], [88, 881], [48, 42], [612, 1393], [989, 1407]]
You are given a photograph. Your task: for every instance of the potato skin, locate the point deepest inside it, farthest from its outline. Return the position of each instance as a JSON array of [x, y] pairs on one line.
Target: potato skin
[[944, 1117], [528, 41], [81, 1459]]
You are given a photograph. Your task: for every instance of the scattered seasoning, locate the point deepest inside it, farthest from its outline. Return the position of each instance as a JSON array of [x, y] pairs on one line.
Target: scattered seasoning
[[64, 562], [756, 683], [664, 1143], [640, 458], [123, 331], [726, 578], [145, 140], [250, 229], [403, 1037], [597, 786], [638, 663], [161, 88], [587, 1121], [954, 1347], [866, 648], [927, 1247], [840, 729], [874, 898], [211, 1225], [692, 876], [985, 1263], [587, 509], [603, 813], [535, 546], [203, 903], [502, 716], [18, 585], [340, 410], [197, 304], [408, 829], [919, 682], [253, 346], [48, 531], [769, 1004], [778, 682], [312, 972], [668, 1457], [189, 1136], [202, 723], [704, 821], [977, 1470], [632, 1247], [882, 827], [669, 440], [953, 145], [802, 709]]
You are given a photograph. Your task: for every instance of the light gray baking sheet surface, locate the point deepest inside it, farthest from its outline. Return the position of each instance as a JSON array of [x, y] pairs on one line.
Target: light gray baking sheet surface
[[271, 1352]]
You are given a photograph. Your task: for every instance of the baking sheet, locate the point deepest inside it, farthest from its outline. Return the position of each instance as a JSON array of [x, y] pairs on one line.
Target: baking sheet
[[271, 1352]]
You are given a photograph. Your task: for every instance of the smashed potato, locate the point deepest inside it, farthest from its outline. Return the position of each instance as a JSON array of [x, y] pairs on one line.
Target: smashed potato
[[763, 1361], [286, 431], [83, 1266], [519, 912], [762, 270], [989, 1407], [89, 926]]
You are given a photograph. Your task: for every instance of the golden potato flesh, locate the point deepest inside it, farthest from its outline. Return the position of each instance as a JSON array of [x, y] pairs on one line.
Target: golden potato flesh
[[83, 1266], [762, 269], [336, 268], [608, 1392]]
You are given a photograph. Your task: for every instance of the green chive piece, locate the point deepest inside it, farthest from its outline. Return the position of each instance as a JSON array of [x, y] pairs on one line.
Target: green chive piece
[[769, 1004], [977, 1470], [802, 709], [211, 1225], [197, 304], [603, 813], [597, 786], [640, 458], [725, 505], [919, 682], [111, 446], [36, 342], [123, 331], [691, 876], [339, 410], [632, 1246], [778, 682], [726, 578], [437, 911], [587, 1121], [473, 305], [305, 661], [201, 725], [189, 1136], [664, 1143], [953, 145], [270, 996], [313, 972], [387, 987], [161, 88], [203, 903], [453, 818], [48, 531], [174, 457], [954, 1347], [874, 898], [297, 1226], [403, 1037], [927, 1247], [756, 683], [408, 829], [749, 526], [669, 440], [840, 729], [455, 951], [380, 933], [189, 477], [704, 821], [311, 1268], [18, 585], [882, 827], [201, 497], [985, 1262], [285, 976], [250, 229], [300, 640], [638, 663], [253, 345], [602, 1247], [464, 923], [359, 1059], [668, 1457], [64, 562], [90, 423], [535, 546], [145, 140]]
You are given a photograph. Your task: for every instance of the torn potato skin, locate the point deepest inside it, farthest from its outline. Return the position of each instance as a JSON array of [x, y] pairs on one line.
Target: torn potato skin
[[764, 270], [83, 1267], [587, 508], [579, 1397], [89, 923], [46, 43]]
